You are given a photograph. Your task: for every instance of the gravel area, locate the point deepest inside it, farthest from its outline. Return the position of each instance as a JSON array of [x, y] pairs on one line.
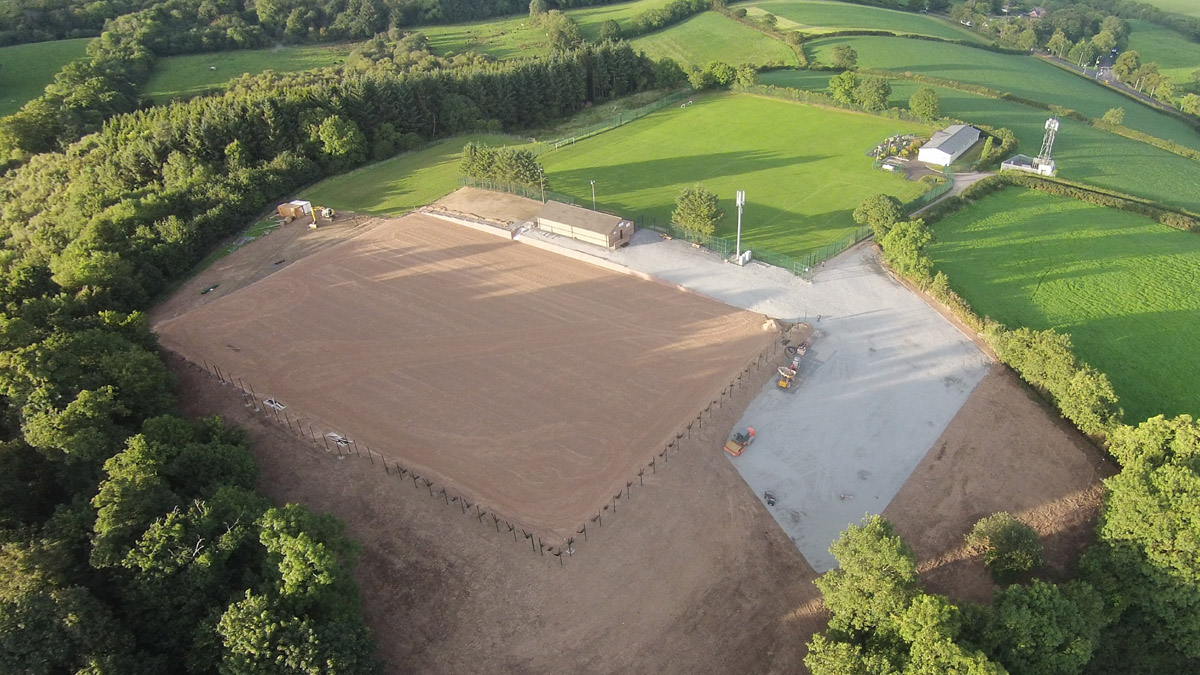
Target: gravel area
[[883, 378]]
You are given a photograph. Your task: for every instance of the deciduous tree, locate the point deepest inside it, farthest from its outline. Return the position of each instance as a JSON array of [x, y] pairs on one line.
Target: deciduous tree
[[696, 211]]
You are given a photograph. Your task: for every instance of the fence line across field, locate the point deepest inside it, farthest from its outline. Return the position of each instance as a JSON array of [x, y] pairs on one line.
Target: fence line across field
[[312, 430]]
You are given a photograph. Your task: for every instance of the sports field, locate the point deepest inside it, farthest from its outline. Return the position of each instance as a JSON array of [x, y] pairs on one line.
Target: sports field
[[1023, 76], [712, 37], [25, 70], [505, 38], [822, 16], [401, 183], [1084, 153], [534, 384], [191, 74], [1122, 285], [804, 169], [1175, 55]]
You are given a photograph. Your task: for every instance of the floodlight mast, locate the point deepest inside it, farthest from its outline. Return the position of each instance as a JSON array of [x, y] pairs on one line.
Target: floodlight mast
[[741, 201]]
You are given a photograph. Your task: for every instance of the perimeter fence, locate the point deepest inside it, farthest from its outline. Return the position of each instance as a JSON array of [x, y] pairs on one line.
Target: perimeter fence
[[802, 265], [614, 122], [320, 435]]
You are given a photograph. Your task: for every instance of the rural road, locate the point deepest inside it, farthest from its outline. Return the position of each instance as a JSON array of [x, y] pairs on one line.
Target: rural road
[[882, 380]]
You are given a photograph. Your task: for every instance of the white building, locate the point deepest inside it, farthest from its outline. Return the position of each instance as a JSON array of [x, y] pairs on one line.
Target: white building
[[948, 145]]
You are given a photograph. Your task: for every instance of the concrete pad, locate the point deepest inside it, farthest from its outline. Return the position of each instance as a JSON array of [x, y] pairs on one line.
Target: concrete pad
[[883, 378]]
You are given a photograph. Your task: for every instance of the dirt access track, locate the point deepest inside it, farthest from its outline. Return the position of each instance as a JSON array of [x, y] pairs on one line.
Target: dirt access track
[[532, 383]]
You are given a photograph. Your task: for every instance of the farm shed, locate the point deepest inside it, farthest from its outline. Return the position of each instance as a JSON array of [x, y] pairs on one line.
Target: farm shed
[[594, 227], [948, 144]]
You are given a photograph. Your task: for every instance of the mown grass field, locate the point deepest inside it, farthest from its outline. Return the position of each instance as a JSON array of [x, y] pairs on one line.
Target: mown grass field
[[504, 38], [1122, 285], [25, 70], [712, 37], [804, 169], [191, 74], [401, 183], [1175, 55], [1083, 153], [1188, 7], [1023, 76], [823, 16]]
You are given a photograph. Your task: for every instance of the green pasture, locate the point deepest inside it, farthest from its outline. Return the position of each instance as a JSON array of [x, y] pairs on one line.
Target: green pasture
[[1122, 285], [1023, 76], [401, 183], [1175, 55], [1188, 7], [505, 38], [804, 168], [25, 70], [823, 16], [1084, 153], [712, 37], [191, 74]]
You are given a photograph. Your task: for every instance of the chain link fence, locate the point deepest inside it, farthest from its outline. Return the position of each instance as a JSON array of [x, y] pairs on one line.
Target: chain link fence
[[803, 265], [611, 123]]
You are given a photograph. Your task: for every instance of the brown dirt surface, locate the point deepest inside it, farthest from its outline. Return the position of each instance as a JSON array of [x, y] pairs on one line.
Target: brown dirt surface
[[1004, 451], [494, 207], [689, 575], [532, 383], [258, 259]]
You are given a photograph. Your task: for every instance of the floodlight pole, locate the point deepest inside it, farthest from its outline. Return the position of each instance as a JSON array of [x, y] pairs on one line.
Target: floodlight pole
[[593, 194], [542, 182], [741, 201]]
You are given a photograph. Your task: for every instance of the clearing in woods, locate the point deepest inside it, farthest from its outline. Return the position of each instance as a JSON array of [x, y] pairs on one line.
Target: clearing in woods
[[821, 16], [535, 384], [710, 36], [25, 70], [804, 168], [1084, 153], [192, 74], [1122, 285], [519, 36]]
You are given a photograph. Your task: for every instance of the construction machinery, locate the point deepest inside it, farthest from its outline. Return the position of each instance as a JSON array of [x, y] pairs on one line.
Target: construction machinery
[[787, 374], [740, 440]]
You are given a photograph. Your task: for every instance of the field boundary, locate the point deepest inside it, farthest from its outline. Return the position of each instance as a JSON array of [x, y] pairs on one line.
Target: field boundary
[[318, 435], [612, 123]]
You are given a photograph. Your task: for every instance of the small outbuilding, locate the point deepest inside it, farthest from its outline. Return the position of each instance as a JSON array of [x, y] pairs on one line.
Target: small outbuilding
[[594, 227], [295, 209], [1042, 167], [948, 145]]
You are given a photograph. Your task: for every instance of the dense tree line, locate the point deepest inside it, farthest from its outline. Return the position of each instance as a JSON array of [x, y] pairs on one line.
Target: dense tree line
[[131, 541], [37, 20]]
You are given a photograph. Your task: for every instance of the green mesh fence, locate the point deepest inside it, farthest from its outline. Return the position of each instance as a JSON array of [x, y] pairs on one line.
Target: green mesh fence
[[532, 192]]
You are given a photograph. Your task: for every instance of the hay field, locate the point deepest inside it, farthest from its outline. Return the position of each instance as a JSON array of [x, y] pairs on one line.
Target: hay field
[[1122, 285]]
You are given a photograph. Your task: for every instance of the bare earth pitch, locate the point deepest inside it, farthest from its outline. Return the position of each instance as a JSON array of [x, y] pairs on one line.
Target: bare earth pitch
[[533, 383]]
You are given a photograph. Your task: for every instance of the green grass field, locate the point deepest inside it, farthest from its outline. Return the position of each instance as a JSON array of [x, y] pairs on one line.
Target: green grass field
[[504, 38], [712, 37], [25, 70], [401, 183], [1188, 7], [822, 16], [191, 74], [1023, 76], [804, 169], [1122, 285], [1175, 55], [1083, 153]]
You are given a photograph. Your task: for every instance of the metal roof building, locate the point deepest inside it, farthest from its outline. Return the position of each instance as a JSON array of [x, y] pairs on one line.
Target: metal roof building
[[948, 144], [594, 227]]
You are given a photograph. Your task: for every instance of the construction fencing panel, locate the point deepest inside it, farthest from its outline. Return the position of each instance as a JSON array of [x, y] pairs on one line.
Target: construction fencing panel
[[532, 192]]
